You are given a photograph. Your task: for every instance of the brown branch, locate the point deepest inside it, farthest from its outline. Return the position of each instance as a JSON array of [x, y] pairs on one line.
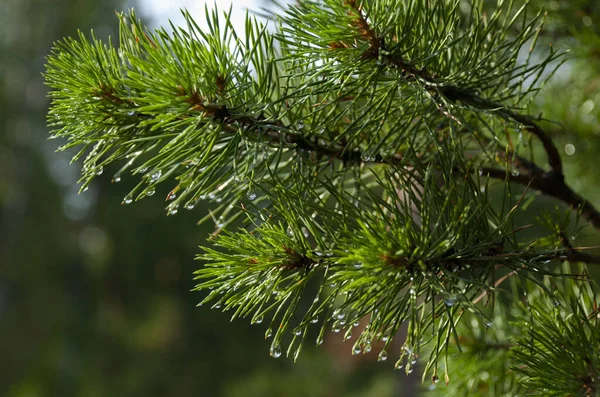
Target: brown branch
[[551, 183]]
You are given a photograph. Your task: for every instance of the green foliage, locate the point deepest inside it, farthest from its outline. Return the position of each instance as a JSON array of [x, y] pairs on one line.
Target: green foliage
[[349, 156]]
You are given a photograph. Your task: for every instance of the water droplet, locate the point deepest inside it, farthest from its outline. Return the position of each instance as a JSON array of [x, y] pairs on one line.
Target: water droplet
[[259, 319], [173, 211], [268, 333], [399, 364], [217, 305], [367, 348], [487, 324], [356, 349], [515, 172], [348, 334], [358, 265], [450, 301], [251, 196], [150, 192], [336, 327], [275, 351], [142, 170], [314, 320], [190, 205], [382, 356], [556, 302], [319, 340], [385, 338], [435, 379], [305, 232], [341, 315], [117, 179], [409, 370], [86, 188], [298, 332], [355, 324], [156, 175], [127, 200], [172, 196], [99, 170], [131, 113]]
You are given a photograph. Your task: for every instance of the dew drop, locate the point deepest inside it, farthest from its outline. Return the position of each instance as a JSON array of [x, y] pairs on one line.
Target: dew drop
[[305, 232], [515, 172], [336, 327], [367, 348], [173, 211], [358, 265], [298, 332], [356, 350], [259, 319], [450, 301], [190, 205], [251, 196], [435, 379], [382, 356], [314, 320], [268, 333], [156, 175], [399, 364], [275, 351], [143, 170], [319, 340], [150, 192], [99, 170], [117, 179], [128, 200]]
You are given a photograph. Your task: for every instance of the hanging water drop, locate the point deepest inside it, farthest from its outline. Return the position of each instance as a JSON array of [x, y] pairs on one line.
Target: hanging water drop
[[435, 379], [367, 348], [314, 320], [156, 175], [399, 364], [251, 196], [319, 340], [150, 192], [259, 319], [356, 349], [268, 333], [515, 172], [142, 170], [450, 301], [99, 170], [117, 179], [336, 327], [275, 351], [190, 205], [382, 356], [172, 196], [127, 200], [298, 332], [173, 211]]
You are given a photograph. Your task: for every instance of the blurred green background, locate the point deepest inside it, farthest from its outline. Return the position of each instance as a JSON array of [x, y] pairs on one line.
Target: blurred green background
[[95, 297]]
